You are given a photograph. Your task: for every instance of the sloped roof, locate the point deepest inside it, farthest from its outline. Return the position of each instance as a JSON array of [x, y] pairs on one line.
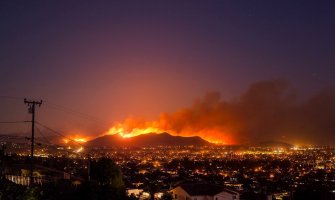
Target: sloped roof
[[202, 189]]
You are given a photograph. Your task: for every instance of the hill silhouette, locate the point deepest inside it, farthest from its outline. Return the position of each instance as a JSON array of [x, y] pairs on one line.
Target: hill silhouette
[[151, 139]]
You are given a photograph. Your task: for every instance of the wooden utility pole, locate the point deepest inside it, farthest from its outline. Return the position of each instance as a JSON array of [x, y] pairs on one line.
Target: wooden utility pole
[[88, 167], [31, 109]]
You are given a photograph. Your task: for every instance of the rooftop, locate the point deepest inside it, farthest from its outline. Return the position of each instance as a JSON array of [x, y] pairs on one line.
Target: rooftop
[[204, 189]]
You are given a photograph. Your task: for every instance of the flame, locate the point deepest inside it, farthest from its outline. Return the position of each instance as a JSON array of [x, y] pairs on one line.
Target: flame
[[207, 118], [132, 127], [76, 138], [80, 140], [127, 133], [80, 149]]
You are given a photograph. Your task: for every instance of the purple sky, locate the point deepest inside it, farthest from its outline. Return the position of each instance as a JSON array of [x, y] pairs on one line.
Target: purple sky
[[114, 59]]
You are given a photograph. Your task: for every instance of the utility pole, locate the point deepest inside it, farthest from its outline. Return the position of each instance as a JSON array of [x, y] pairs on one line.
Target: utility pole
[[31, 109], [88, 167]]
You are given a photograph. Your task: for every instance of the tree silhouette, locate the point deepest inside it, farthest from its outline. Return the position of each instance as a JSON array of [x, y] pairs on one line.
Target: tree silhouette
[[107, 182], [106, 172]]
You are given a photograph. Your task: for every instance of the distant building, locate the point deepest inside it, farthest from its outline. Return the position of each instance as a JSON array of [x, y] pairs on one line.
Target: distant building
[[135, 192], [25, 180], [279, 196], [203, 192]]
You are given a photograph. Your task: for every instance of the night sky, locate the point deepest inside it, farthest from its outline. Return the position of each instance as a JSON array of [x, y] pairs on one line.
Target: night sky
[[95, 63]]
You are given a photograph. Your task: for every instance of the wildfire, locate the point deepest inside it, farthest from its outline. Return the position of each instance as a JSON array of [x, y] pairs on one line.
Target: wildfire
[[131, 128], [78, 139], [127, 133], [207, 119], [79, 150]]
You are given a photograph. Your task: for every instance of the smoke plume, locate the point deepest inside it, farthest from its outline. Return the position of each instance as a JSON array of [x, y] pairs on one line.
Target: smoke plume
[[268, 110]]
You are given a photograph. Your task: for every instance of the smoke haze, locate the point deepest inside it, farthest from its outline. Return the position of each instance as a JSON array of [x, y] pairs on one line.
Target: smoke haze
[[268, 110]]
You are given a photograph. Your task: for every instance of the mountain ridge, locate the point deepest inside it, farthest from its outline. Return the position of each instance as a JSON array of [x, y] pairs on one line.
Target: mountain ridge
[[150, 139]]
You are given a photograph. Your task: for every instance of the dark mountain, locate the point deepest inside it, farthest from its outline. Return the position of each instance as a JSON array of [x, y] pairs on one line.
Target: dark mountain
[[14, 138], [151, 139]]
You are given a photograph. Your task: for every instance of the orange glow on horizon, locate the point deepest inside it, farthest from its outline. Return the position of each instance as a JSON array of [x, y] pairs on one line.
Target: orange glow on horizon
[[129, 129], [206, 118], [76, 138], [133, 132], [80, 140]]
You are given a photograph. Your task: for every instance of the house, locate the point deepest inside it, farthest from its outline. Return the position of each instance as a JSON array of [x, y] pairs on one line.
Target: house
[[203, 192], [136, 192]]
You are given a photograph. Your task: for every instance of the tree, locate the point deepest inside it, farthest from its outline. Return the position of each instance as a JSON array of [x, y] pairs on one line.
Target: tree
[[2, 161], [167, 196], [153, 185], [33, 193], [11, 191], [107, 182], [106, 172], [95, 191]]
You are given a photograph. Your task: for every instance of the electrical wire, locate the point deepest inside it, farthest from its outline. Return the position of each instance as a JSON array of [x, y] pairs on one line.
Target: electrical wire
[[13, 122], [48, 143], [11, 97], [43, 136], [60, 134], [101, 122]]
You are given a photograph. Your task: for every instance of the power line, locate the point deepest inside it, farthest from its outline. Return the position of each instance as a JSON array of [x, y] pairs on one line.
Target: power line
[[13, 122], [77, 113], [12, 97], [88, 155], [60, 134], [52, 144], [98, 121], [45, 139], [32, 105]]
